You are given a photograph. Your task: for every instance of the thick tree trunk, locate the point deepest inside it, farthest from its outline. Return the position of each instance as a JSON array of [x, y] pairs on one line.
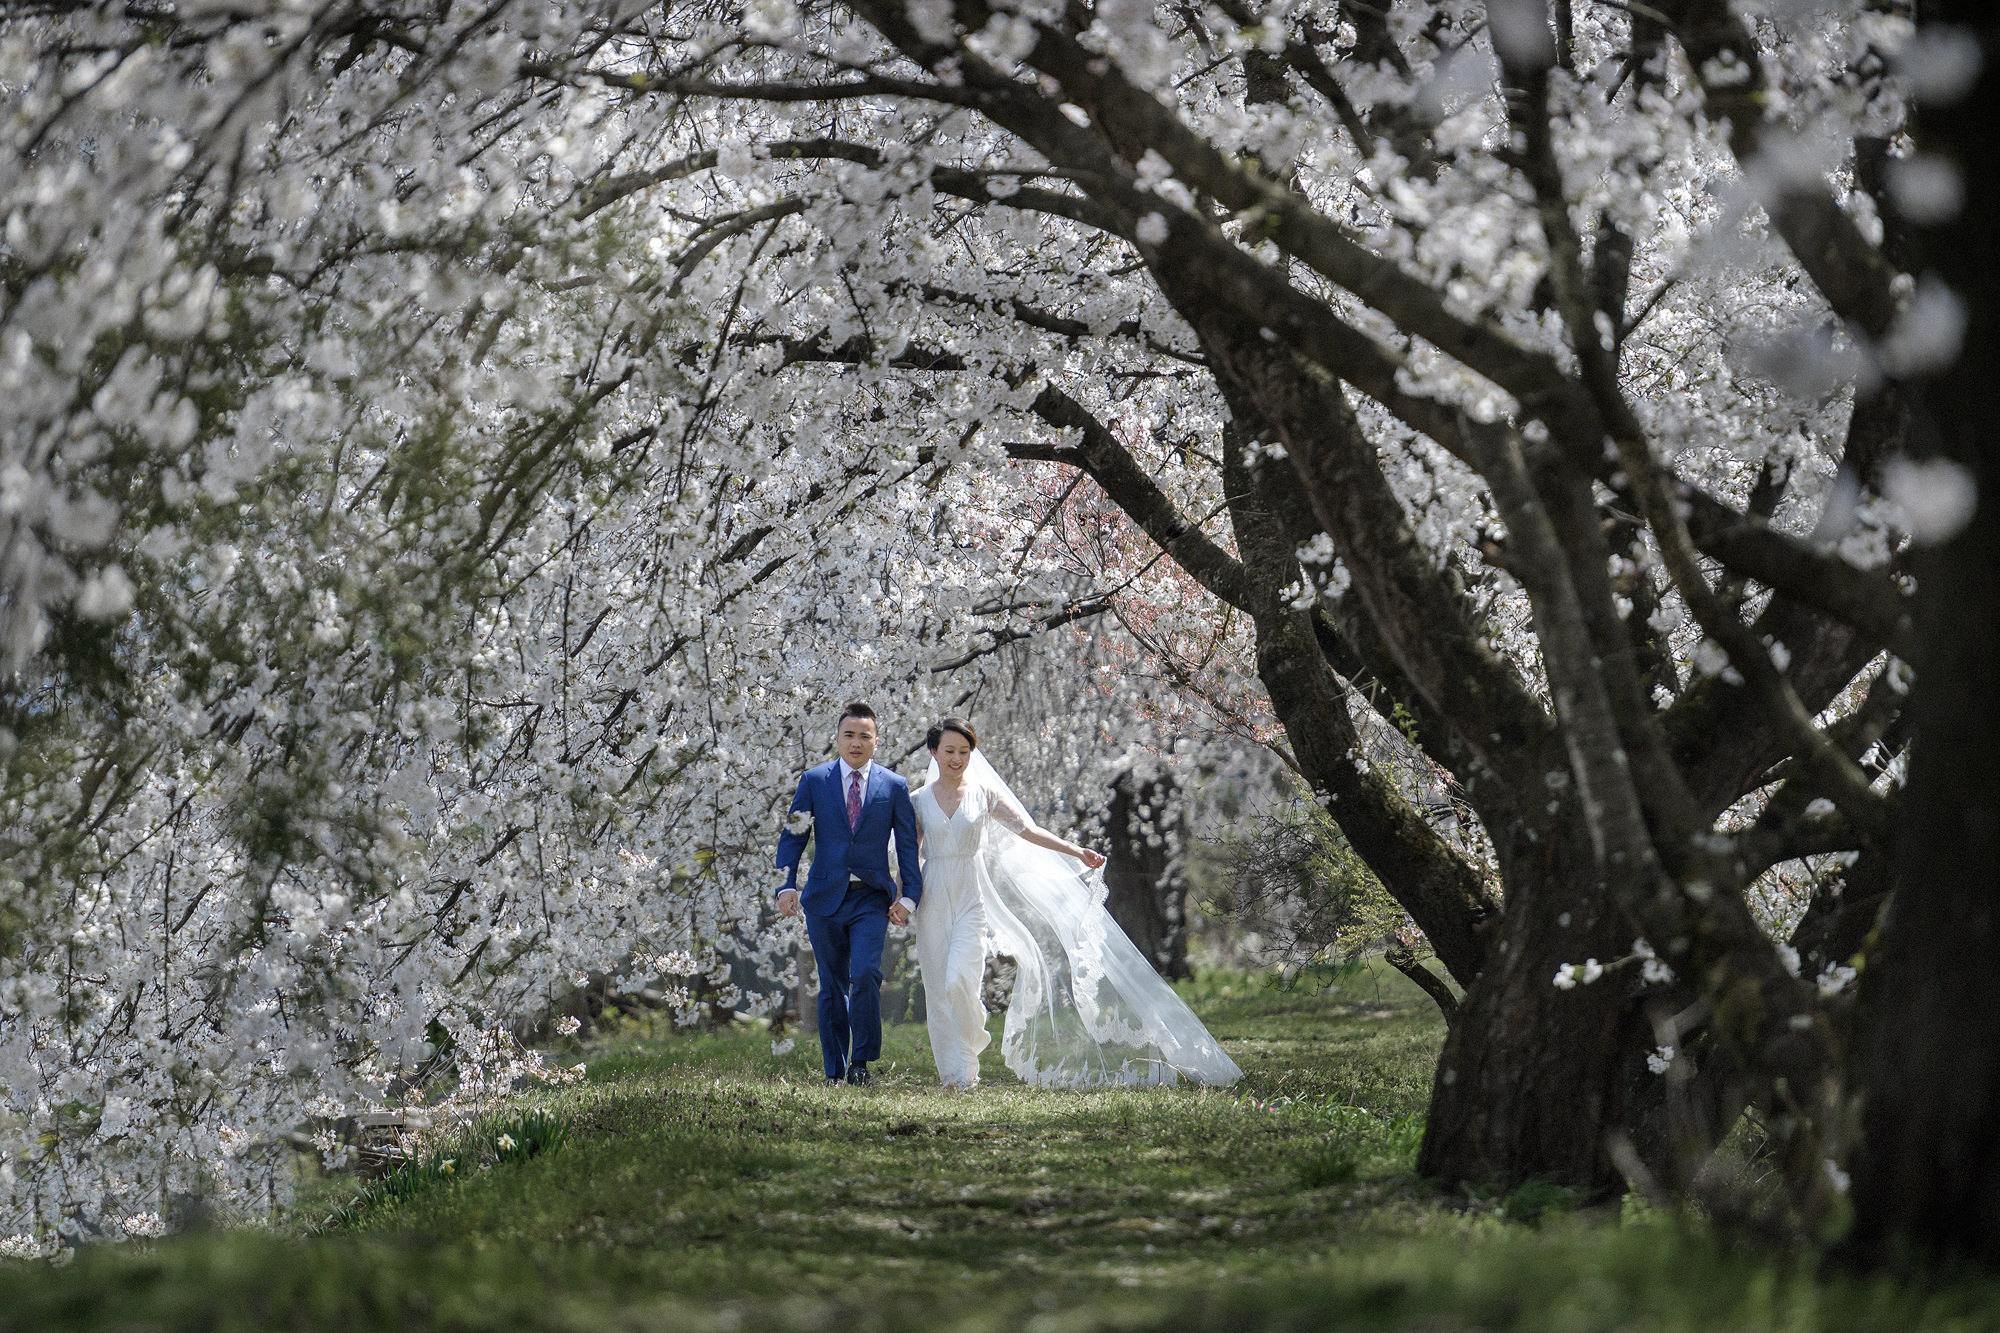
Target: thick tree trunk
[[1927, 1174], [1145, 887], [1535, 1080]]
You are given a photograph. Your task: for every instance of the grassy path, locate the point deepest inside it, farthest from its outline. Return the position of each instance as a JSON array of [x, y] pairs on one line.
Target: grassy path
[[759, 1179], [710, 1184]]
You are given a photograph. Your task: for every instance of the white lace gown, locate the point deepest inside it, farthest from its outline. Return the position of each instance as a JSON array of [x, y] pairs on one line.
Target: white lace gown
[[1087, 1008], [951, 928]]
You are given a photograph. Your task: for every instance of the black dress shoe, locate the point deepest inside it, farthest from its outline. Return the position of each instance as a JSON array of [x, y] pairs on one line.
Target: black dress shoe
[[857, 1074]]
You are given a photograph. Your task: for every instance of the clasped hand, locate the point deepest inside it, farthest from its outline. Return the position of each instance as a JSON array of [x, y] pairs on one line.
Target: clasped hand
[[788, 905]]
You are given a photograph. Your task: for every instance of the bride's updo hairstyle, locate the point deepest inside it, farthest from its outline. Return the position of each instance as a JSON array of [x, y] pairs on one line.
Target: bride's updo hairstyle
[[935, 736]]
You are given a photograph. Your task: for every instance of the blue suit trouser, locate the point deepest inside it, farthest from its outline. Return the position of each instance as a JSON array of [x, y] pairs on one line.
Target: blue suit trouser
[[847, 946]]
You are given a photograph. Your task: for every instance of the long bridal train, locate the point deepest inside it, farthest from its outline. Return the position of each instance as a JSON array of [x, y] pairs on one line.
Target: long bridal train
[[1087, 1009]]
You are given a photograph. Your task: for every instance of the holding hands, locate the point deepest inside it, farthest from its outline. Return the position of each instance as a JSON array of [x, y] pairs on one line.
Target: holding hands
[[899, 911]]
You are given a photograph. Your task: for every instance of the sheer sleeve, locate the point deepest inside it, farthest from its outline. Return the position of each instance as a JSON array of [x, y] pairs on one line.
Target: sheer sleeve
[[1002, 806]]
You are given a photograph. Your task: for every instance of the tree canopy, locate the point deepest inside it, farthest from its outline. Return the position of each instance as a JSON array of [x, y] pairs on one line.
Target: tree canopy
[[487, 441]]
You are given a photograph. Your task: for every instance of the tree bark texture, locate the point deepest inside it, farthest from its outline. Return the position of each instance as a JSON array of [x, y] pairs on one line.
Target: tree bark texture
[[1927, 1172], [1145, 885], [1536, 1080]]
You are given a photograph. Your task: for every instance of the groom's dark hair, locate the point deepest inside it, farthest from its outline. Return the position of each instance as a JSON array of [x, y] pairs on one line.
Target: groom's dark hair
[[856, 710]]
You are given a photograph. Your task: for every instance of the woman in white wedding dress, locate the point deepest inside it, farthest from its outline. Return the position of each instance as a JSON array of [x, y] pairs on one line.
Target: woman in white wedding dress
[[1087, 1007]]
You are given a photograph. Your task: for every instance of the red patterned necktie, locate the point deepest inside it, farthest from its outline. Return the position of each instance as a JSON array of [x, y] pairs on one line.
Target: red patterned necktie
[[854, 802]]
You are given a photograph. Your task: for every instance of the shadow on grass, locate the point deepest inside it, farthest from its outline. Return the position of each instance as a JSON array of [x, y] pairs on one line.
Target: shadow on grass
[[1651, 1278], [707, 1181]]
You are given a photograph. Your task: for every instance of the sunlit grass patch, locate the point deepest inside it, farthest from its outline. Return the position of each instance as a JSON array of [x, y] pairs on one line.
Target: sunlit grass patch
[[706, 1181], [736, 1159]]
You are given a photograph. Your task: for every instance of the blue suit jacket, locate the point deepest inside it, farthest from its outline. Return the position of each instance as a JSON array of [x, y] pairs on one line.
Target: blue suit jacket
[[863, 853]]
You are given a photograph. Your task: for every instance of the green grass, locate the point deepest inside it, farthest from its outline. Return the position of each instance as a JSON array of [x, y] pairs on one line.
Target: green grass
[[760, 1180], [702, 1182]]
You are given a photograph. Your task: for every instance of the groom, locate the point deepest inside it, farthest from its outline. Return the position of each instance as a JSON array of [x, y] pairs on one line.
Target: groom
[[849, 806]]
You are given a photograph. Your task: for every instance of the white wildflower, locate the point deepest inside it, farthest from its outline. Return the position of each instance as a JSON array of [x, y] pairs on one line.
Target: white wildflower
[[1318, 551], [1651, 970], [116, 1118], [146, 1225], [106, 595], [1927, 188], [1935, 496], [932, 19], [1927, 333], [1152, 170]]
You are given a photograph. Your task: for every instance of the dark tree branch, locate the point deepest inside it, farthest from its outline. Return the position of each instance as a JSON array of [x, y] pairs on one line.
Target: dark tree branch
[[1135, 121], [1420, 611], [1846, 906], [1069, 614], [1130, 487], [1845, 782], [1433, 985], [1097, 451], [1035, 317], [1425, 874], [616, 188], [1865, 599]]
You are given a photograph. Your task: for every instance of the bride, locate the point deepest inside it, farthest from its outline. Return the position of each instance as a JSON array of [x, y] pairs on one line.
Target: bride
[[1087, 1008]]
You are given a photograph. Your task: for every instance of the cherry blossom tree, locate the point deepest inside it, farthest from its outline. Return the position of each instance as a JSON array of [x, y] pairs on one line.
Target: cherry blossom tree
[[454, 459], [1539, 370], [413, 604]]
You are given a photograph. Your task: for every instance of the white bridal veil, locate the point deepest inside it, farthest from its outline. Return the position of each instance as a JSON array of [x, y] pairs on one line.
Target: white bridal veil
[[1088, 1008]]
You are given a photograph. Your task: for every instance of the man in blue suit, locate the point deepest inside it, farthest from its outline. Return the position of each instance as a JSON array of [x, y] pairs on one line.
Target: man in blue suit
[[848, 807]]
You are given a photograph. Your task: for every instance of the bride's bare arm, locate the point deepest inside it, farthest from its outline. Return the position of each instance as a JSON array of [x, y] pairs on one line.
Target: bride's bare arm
[[1041, 837], [1017, 819]]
